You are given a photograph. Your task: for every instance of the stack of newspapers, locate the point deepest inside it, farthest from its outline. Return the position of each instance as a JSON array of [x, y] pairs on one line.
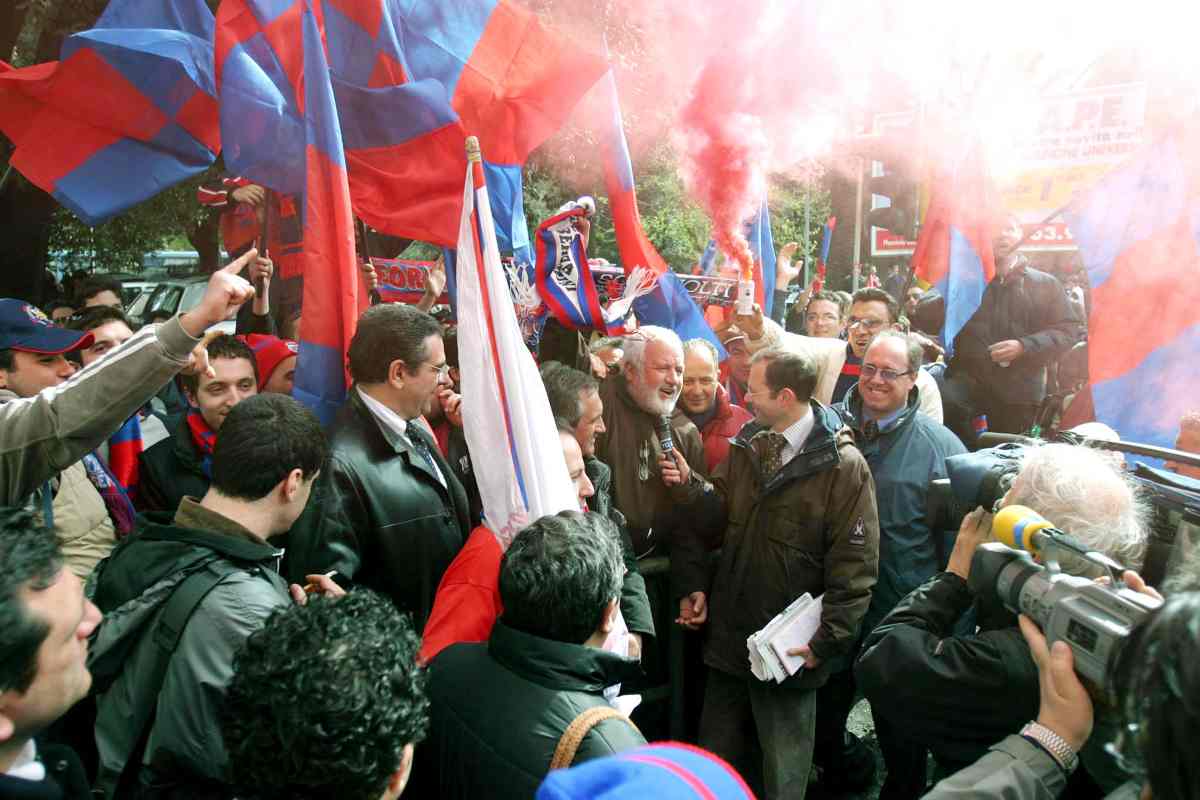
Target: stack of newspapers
[[793, 627]]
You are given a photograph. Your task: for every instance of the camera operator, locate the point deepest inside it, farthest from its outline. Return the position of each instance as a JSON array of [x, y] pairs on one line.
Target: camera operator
[[960, 694], [1156, 681]]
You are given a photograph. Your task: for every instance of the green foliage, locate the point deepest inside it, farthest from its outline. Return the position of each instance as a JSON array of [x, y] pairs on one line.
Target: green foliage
[[673, 223], [787, 198], [119, 244]]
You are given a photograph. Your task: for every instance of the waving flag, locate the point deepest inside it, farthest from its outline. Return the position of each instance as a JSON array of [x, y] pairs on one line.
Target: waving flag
[[954, 248], [668, 303], [502, 75], [512, 80], [520, 467], [127, 112], [762, 245], [823, 260], [1139, 238], [285, 49]]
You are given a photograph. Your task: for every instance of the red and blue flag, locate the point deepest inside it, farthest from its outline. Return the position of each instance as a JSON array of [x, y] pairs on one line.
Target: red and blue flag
[[278, 105], [762, 245], [331, 303], [129, 110], [512, 80], [823, 259], [668, 303], [954, 247], [1138, 232]]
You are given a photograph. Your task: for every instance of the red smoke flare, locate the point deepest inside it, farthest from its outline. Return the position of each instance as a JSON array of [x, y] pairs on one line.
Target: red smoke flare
[[724, 155]]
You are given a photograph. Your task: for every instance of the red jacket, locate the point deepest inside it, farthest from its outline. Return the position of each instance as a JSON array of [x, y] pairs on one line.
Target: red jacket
[[724, 425]]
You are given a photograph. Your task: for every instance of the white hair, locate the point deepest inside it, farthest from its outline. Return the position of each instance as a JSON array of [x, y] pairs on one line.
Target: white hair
[[1082, 493], [635, 343], [702, 346]]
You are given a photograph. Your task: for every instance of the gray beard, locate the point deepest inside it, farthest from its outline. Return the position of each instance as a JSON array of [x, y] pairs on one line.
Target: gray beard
[[651, 401]]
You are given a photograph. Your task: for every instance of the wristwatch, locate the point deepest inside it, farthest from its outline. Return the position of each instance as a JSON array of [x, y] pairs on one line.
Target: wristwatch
[[1053, 744]]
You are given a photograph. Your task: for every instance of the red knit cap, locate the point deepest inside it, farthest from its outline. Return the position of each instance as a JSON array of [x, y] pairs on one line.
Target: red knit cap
[[269, 352]]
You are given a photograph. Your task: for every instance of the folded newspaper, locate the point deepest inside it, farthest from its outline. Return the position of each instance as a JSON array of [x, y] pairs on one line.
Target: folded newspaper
[[792, 627]]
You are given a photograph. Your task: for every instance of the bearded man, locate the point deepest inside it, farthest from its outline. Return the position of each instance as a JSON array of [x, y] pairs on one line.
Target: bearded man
[[635, 401]]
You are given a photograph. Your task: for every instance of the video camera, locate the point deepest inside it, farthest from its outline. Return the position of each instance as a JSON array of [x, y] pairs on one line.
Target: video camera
[[1093, 618], [975, 479], [983, 477]]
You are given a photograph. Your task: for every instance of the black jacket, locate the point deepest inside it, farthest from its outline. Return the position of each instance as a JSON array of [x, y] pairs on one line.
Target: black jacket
[[499, 708], [407, 526], [170, 471], [1031, 307], [958, 695], [65, 778], [635, 605], [319, 541]]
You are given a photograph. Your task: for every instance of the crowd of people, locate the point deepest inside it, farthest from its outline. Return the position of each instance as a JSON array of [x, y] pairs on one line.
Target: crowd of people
[[205, 594]]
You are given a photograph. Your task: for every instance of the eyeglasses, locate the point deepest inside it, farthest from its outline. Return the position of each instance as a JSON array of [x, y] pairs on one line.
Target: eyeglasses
[[869, 324], [443, 371], [890, 375]]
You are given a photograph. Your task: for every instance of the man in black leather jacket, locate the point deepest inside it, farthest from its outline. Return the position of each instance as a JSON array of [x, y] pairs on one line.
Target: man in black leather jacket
[[408, 511], [1023, 323]]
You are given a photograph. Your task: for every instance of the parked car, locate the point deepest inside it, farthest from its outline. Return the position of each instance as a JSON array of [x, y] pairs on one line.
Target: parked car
[[176, 295]]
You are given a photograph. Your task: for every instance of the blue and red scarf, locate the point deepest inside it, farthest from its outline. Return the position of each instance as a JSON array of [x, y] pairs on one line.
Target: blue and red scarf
[[118, 480], [204, 437]]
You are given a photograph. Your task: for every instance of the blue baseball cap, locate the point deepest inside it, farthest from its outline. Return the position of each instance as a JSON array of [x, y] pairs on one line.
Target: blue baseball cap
[[664, 771], [24, 327]]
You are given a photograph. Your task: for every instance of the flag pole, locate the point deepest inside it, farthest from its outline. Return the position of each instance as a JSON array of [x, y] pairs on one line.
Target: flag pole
[[376, 297]]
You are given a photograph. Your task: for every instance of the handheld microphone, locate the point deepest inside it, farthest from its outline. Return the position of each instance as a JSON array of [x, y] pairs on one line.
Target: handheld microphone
[[1022, 528], [663, 428]]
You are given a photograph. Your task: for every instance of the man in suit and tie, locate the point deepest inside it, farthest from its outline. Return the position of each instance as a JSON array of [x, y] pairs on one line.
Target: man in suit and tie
[[407, 510]]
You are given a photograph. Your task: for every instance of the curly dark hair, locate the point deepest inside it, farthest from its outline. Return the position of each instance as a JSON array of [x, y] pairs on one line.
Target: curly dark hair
[[324, 699], [29, 558], [1157, 679]]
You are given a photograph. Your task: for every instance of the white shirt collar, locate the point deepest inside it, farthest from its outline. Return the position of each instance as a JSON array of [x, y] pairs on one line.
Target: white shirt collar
[[390, 419], [27, 767], [384, 414], [797, 434]]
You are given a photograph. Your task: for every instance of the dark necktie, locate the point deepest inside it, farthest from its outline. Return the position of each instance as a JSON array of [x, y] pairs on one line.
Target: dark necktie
[[769, 447], [421, 445], [870, 430]]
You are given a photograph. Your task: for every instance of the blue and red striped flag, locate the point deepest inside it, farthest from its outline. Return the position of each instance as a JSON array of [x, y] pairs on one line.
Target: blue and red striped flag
[[823, 259], [1139, 240], [128, 111], [520, 467], [762, 245], [502, 73], [954, 248], [331, 303], [668, 304], [278, 107]]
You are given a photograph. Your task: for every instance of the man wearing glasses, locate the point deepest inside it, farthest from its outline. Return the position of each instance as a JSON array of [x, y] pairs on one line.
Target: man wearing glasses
[[905, 450], [407, 509], [871, 312]]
